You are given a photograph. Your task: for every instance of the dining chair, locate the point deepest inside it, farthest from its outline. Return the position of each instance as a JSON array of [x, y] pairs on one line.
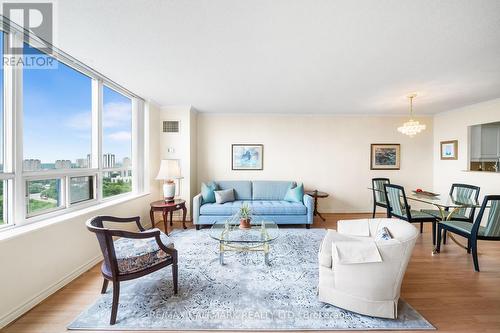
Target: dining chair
[[459, 191], [133, 255], [473, 232], [378, 193], [397, 206]]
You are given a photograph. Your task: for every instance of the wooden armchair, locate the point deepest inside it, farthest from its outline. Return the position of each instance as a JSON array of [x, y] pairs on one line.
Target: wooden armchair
[[133, 255]]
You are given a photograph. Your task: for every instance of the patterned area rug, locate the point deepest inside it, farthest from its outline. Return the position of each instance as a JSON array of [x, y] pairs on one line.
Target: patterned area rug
[[243, 294]]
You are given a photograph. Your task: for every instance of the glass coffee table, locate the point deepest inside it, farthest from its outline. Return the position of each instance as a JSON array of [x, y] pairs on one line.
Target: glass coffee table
[[232, 238]]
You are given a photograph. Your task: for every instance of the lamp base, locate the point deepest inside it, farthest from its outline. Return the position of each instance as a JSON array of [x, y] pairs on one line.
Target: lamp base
[[169, 191]]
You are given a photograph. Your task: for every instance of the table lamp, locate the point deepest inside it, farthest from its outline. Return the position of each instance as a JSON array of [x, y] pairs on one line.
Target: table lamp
[[169, 170]]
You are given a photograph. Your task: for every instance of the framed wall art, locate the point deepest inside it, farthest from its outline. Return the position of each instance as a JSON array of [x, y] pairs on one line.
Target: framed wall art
[[449, 150], [385, 156], [247, 157]]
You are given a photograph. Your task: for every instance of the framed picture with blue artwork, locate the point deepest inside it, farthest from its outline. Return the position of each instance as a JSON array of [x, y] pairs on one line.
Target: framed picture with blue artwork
[[247, 157], [449, 150], [385, 156]]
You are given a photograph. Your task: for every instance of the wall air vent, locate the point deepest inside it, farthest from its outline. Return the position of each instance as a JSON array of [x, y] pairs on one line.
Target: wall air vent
[[171, 126]]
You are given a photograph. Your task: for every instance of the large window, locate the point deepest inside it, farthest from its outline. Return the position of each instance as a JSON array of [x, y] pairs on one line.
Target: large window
[[72, 131], [57, 136], [1, 106], [117, 143], [4, 178], [57, 106]]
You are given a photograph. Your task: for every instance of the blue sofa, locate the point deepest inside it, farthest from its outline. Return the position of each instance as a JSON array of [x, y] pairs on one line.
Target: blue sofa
[[265, 199]]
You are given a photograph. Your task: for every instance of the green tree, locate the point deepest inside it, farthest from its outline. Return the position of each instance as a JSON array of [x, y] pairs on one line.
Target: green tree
[[1, 204], [113, 188], [51, 192]]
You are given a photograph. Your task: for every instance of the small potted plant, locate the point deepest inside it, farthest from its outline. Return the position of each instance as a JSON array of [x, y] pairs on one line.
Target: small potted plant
[[245, 216]]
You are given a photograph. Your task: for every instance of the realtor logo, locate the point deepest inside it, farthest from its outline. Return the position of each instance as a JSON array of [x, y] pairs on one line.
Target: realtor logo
[[35, 18], [31, 27]]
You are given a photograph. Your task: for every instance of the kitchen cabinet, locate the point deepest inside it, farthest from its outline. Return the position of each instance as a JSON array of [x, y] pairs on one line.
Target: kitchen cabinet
[[485, 142], [490, 141]]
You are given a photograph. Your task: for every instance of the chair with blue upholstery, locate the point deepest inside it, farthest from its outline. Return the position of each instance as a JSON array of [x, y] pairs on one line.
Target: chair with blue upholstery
[[475, 231], [133, 255], [397, 206], [378, 193], [459, 191]]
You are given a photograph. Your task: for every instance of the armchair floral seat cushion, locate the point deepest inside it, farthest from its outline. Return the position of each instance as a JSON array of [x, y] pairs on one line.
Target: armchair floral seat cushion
[[133, 255]]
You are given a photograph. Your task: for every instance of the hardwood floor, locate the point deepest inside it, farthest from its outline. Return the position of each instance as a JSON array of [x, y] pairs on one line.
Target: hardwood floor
[[443, 288]]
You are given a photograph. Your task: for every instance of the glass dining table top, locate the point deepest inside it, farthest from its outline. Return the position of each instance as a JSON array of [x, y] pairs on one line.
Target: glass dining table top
[[445, 201]]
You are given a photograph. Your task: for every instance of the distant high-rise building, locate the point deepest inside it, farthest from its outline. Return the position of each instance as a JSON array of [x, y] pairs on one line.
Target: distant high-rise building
[[89, 161], [63, 164], [108, 161], [82, 163], [127, 163], [32, 165]]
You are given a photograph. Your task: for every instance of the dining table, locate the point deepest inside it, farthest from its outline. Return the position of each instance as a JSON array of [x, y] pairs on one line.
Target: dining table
[[446, 204]]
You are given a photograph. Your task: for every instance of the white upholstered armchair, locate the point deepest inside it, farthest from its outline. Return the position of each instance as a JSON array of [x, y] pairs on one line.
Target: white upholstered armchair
[[359, 273]]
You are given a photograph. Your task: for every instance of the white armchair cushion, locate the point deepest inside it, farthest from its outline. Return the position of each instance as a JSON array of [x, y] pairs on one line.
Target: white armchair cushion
[[325, 251], [355, 252], [354, 227]]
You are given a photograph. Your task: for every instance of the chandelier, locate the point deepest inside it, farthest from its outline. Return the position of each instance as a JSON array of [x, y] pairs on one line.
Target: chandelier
[[411, 127]]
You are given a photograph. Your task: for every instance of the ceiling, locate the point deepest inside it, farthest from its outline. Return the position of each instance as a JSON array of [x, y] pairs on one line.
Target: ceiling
[[289, 56]]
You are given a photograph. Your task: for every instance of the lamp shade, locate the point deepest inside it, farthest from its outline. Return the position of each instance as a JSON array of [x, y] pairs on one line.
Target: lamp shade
[[169, 169]]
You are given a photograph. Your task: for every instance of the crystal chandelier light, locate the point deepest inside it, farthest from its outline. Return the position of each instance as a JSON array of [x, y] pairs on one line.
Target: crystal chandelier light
[[411, 127]]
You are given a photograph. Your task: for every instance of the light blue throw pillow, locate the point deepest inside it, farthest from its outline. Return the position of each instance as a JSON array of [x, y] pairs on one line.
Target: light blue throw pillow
[[207, 193], [224, 196], [295, 194]]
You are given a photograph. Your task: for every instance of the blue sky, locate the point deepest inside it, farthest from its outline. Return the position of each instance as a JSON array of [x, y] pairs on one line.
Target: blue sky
[[57, 116]]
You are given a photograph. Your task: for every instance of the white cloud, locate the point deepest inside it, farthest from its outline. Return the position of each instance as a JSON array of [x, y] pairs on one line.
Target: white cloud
[[120, 136], [80, 121], [116, 114]]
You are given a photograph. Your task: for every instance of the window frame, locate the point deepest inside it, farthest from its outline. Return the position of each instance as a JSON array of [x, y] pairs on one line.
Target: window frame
[[16, 191]]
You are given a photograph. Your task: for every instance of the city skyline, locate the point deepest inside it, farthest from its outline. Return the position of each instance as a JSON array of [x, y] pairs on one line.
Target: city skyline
[[108, 161]]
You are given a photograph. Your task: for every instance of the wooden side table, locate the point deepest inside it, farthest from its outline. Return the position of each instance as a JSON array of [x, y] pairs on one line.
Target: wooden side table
[[168, 207], [317, 194]]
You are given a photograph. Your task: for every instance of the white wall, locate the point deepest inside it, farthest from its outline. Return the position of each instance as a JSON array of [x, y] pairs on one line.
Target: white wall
[[37, 263], [193, 154], [182, 147], [329, 153], [453, 125]]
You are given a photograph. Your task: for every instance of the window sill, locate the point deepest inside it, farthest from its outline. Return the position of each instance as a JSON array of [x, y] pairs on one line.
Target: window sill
[[7, 233]]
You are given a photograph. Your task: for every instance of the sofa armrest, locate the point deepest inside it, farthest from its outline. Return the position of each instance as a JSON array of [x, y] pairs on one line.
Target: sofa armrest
[[385, 276], [196, 207], [325, 249], [309, 203]]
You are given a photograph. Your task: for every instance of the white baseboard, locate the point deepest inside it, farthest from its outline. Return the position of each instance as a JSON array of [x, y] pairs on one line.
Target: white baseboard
[[355, 211], [28, 305]]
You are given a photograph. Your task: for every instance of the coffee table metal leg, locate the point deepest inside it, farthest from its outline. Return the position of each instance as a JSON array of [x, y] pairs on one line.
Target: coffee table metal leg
[[266, 253], [221, 253]]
